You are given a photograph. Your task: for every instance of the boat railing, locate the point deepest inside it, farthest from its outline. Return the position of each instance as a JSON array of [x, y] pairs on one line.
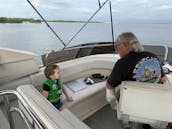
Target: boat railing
[[9, 109], [163, 52]]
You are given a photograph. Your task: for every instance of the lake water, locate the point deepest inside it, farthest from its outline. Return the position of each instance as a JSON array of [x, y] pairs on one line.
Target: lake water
[[39, 39]]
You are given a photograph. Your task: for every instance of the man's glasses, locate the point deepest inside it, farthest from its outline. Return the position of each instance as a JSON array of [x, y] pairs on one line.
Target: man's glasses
[[118, 45]]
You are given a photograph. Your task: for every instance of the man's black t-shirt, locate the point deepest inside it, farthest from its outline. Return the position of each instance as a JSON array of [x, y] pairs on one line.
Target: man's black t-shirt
[[140, 66]]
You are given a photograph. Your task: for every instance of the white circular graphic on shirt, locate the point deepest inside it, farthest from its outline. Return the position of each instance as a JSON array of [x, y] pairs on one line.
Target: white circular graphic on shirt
[[54, 86], [147, 70]]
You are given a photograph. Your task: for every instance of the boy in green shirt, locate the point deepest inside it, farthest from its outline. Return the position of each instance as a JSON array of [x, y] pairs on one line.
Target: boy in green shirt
[[53, 87]]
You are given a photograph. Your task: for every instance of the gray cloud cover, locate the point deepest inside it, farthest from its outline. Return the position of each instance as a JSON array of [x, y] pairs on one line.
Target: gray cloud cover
[[123, 10]]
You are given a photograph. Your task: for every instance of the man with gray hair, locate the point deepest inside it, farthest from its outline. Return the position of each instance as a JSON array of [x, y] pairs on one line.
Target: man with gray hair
[[135, 64]]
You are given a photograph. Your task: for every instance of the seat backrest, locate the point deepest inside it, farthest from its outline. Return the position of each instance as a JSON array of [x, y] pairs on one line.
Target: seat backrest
[[37, 79], [169, 56], [72, 69], [160, 51], [145, 102], [59, 56]]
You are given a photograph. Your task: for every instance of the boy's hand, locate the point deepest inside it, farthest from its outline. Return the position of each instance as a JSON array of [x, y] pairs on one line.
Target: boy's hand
[[69, 99]]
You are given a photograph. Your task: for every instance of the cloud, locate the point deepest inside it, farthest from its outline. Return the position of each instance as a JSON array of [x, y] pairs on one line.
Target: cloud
[[143, 1], [36, 4], [164, 8], [59, 3], [51, 4], [50, 7], [115, 11], [118, 0], [85, 11]]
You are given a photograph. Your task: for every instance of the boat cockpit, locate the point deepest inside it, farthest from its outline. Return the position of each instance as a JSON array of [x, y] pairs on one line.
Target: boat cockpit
[[22, 105], [139, 102]]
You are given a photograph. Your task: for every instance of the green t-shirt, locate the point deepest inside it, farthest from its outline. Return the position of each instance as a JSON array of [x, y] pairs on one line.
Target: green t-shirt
[[54, 89]]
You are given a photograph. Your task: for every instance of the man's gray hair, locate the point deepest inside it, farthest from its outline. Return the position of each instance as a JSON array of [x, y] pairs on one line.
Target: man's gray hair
[[132, 40]]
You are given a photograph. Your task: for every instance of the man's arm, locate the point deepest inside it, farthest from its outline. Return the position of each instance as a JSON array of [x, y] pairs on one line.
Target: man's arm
[[113, 82], [164, 80], [116, 76], [109, 86]]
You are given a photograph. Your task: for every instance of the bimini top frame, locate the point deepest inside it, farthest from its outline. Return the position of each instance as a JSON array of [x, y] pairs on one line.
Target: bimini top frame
[[82, 27]]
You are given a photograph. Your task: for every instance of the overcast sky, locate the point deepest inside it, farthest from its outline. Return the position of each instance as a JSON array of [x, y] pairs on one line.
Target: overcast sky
[[123, 10]]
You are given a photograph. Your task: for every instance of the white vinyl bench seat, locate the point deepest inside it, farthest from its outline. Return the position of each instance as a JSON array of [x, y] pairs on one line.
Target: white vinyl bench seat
[[87, 101], [145, 102]]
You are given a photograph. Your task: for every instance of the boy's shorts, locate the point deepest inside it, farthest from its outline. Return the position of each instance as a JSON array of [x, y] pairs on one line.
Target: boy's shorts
[[58, 105]]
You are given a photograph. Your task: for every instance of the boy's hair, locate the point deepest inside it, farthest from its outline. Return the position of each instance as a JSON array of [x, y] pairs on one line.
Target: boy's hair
[[49, 70]]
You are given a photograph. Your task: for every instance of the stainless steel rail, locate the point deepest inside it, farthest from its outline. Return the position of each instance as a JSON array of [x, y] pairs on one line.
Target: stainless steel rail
[[18, 111], [35, 118]]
